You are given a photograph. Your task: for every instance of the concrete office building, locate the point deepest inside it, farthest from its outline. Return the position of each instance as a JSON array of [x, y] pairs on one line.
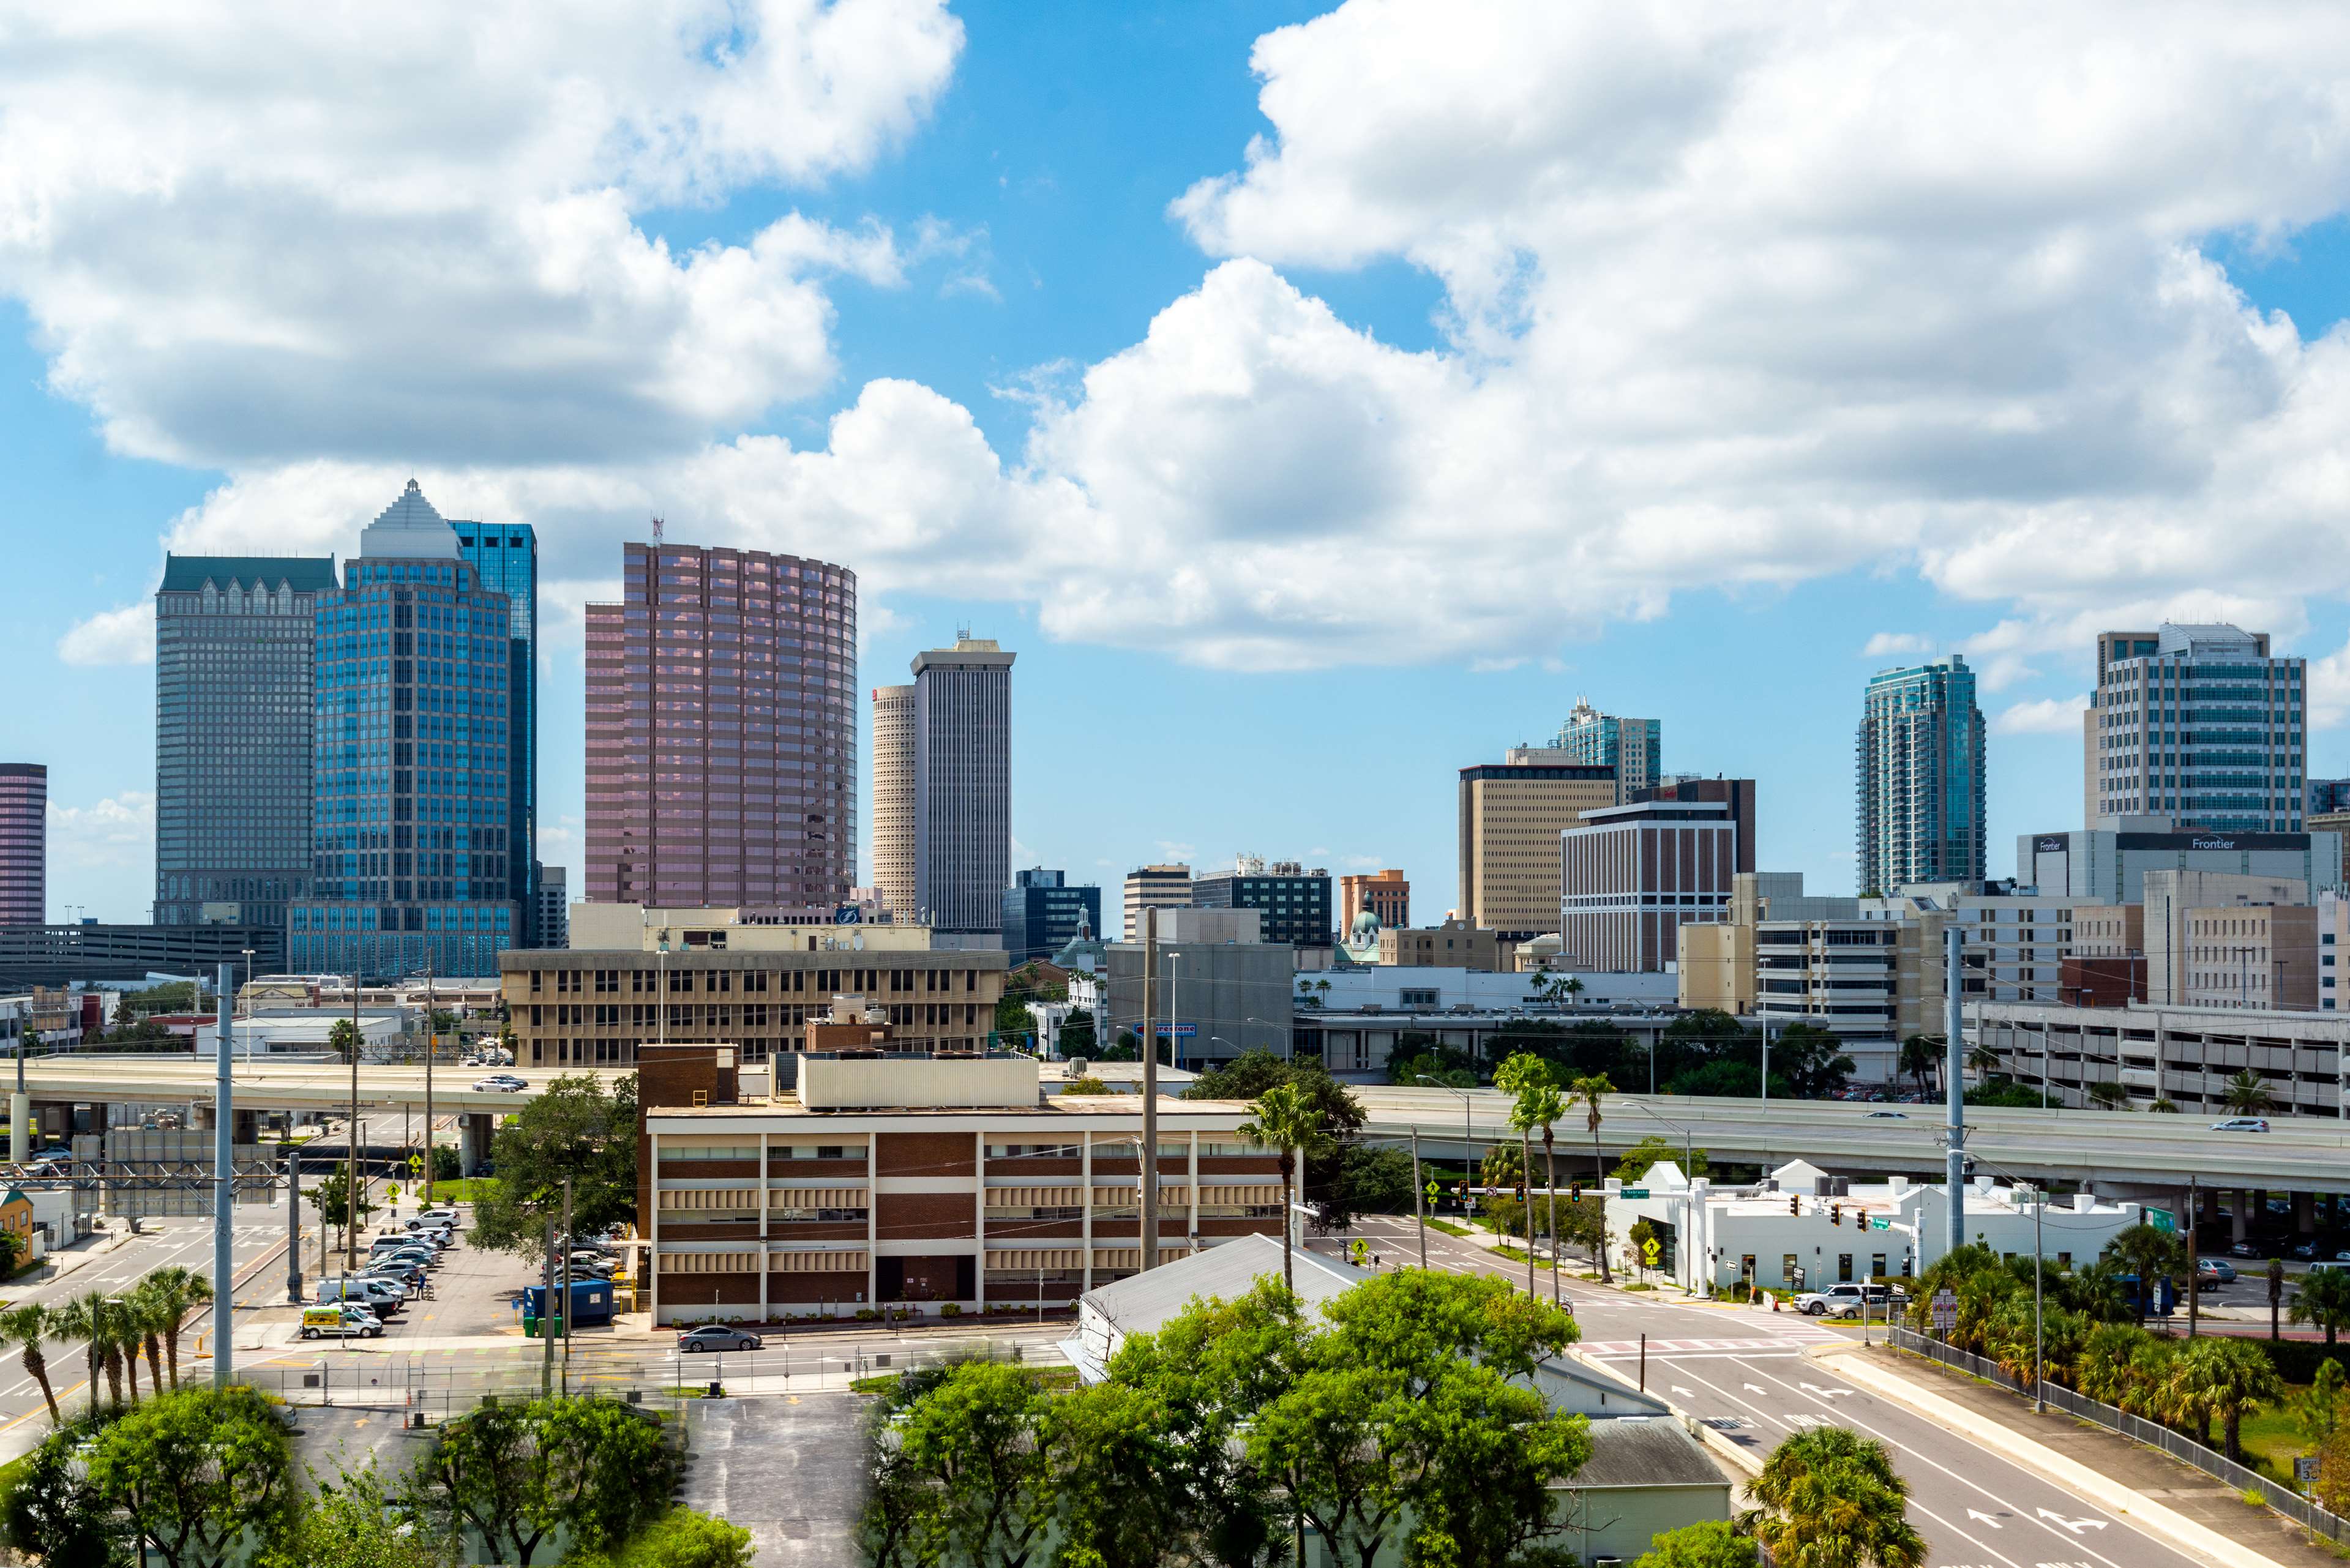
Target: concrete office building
[[1217, 1000], [505, 556], [2328, 798], [23, 844], [1872, 983], [1510, 816], [603, 926], [2210, 940], [1293, 900], [597, 1005], [1735, 794], [1455, 944], [963, 791], [1716, 968], [234, 747], [1155, 888], [413, 762], [2014, 943], [2200, 724], [1386, 895], [552, 924], [2182, 1054], [835, 1183], [1634, 748], [1918, 758], [1630, 876], [721, 740], [2106, 865], [1042, 913], [894, 800]]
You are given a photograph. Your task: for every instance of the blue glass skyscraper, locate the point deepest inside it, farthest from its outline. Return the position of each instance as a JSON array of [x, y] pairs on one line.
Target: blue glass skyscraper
[[1920, 757], [507, 556], [415, 761]]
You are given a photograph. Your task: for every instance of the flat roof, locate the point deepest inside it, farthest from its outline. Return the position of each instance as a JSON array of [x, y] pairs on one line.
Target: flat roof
[[1129, 1105]]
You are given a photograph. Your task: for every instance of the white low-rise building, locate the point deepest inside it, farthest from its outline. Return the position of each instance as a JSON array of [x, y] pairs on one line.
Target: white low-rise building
[[1801, 1229], [303, 1031]]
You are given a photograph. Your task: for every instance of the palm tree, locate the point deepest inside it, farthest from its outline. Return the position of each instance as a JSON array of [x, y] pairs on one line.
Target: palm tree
[[343, 1040], [2234, 1376], [2248, 1094], [1588, 1092], [2108, 1097], [1983, 1059], [177, 1292], [2102, 1369], [146, 1313], [2323, 1299], [1834, 1497], [1570, 988], [90, 1317], [1287, 1123], [1920, 1056], [1537, 1106], [2147, 1253], [26, 1327]]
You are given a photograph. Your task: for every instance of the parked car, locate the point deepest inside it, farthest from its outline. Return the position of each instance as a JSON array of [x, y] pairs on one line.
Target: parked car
[[341, 1321], [408, 1276], [2242, 1123], [2305, 1251], [422, 1257], [2244, 1250], [444, 1216], [713, 1336], [2220, 1266], [591, 1264]]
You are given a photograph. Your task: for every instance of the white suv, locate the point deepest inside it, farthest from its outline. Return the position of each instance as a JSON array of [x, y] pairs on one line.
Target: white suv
[[1841, 1300]]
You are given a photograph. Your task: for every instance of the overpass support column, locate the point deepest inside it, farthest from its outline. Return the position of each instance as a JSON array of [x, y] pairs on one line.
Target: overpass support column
[[244, 1126], [206, 1116], [472, 1142], [2240, 1209], [2304, 1213]]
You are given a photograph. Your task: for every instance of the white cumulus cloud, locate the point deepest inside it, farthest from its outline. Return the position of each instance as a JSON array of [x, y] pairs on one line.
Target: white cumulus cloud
[[2044, 716], [123, 635]]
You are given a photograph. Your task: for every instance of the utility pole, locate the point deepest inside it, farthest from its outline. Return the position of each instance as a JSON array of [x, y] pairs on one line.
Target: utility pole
[[20, 1108], [432, 1041], [567, 1285], [351, 1181], [545, 1328], [224, 1186], [293, 1223], [2194, 1296], [1954, 1085], [1418, 1199], [1150, 1093]]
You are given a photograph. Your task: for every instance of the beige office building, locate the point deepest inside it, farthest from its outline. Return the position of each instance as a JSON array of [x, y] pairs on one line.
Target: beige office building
[[1455, 944], [1155, 888], [2192, 913], [1510, 816], [893, 799]]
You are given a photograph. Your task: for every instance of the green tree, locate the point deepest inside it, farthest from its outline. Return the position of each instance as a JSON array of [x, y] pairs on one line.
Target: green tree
[[1536, 1106], [2108, 1096], [1589, 1093], [2332, 1488], [2148, 1252], [2248, 1094], [196, 1471], [2317, 1409], [2102, 1369], [979, 1445], [1834, 1500], [2222, 1377], [354, 1521], [1286, 1122], [1374, 1179], [1810, 1060], [580, 1129], [334, 1199], [2322, 1299], [84, 1317], [1634, 1163], [1710, 1543], [1077, 1033], [1087, 1085], [1921, 1059], [53, 1515], [26, 1327], [174, 1293], [591, 1468], [682, 1539]]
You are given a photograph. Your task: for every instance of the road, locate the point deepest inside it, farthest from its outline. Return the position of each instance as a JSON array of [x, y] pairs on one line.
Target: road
[[1744, 1372]]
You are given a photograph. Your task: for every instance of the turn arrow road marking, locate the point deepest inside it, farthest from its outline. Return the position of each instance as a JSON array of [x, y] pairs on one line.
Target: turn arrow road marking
[[1991, 1519], [2074, 1525]]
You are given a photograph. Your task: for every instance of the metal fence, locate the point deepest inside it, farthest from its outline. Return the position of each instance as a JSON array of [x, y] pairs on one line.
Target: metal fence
[[2178, 1445], [438, 1387]]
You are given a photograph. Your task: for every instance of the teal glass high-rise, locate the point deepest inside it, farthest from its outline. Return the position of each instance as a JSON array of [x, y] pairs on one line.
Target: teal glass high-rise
[[413, 823], [1920, 758], [506, 555]]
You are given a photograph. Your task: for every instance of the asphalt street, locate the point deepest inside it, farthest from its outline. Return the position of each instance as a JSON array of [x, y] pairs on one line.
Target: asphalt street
[[1745, 1372]]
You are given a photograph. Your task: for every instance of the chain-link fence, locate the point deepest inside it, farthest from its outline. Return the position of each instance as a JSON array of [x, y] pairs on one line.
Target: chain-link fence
[[2178, 1445]]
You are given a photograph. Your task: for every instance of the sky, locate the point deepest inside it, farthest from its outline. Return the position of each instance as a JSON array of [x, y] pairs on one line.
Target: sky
[[1318, 400]]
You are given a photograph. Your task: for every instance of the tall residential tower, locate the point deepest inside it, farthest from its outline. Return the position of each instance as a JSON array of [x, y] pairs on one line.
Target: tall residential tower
[[721, 738], [2200, 724], [1918, 756], [963, 791], [234, 653], [1633, 747], [893, 799]]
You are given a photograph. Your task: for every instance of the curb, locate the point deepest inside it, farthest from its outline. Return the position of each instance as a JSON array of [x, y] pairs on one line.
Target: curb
[[2199, 1541]]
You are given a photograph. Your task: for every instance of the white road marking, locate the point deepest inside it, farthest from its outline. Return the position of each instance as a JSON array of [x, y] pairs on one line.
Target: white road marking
[[1971, 1513], [2074, 1525]]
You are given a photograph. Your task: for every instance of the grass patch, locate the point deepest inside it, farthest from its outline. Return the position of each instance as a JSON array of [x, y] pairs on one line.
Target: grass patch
[[1448, 1228], [2271, 1441], [460, 1188], [1636, 1285], [1515, 1254]]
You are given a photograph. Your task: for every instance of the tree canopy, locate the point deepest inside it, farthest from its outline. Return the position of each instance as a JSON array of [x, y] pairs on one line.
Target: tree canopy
[[577, 1128]]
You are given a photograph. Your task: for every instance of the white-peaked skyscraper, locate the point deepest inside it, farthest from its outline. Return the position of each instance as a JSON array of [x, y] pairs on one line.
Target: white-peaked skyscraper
[[963, 791]]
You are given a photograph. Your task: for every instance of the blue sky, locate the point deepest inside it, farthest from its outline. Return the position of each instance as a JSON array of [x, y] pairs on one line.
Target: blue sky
[[1318, 677]]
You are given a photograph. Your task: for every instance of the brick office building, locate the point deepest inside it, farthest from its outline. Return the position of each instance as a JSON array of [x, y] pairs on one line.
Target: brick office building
[[575, 1006], [848, 1181]]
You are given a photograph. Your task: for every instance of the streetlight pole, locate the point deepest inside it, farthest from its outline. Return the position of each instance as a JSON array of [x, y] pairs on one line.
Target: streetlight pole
[[351, 1177], [244, 1008], [223, 1191], [1419, 1206], [431, 1042]]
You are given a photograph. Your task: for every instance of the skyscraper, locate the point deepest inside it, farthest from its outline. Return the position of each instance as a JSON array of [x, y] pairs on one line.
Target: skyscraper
[[962, 790], [2199, 724], [23, 844], [506, 555], [1042, 913], [414, 762], [1919, 760], [721, 740], [1511, 814], [893, 798], [1633, 747], [234, 699]]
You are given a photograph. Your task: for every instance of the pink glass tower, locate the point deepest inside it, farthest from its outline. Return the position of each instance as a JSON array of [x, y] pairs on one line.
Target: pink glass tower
[[722, 732], [24, 842]]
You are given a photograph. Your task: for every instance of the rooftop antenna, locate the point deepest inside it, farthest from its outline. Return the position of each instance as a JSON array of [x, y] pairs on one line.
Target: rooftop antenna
[[657, 532]]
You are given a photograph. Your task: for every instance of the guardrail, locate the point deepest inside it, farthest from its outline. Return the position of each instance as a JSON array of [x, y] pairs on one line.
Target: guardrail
[[2178, 1445]]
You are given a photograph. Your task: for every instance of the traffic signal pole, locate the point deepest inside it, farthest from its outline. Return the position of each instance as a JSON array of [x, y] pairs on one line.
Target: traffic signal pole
[[1418, 1200]]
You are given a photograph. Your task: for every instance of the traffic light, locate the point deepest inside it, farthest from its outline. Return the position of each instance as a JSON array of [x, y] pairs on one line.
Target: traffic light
[[1835, 1214], [1574, 1192], [1522, 1192], [1794, 1204]]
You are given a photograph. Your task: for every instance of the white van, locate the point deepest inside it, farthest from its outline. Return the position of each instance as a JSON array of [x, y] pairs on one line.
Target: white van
[[379, 1296], [340, 1322]]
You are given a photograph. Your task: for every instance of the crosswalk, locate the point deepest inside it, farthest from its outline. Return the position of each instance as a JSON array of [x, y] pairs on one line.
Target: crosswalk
[[1747, 1345]]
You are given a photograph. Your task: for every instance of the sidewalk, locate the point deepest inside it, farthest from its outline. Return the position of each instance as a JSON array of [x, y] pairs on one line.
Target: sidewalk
[[2131, 1468]]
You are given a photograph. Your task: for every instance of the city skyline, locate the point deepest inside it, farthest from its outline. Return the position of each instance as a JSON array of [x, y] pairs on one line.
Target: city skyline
[[994, 283]]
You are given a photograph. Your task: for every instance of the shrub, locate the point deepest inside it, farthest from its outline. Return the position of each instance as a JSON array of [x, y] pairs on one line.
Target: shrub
[[953, 1309]]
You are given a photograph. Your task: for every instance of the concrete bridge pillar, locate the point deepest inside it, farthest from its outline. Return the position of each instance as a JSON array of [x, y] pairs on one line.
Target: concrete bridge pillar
[[2304, 1213], [472, 1142], [244, 1126], [2240, 1209], [203, 1116]]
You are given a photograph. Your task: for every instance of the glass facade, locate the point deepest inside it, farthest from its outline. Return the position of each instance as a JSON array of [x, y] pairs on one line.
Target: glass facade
[[1920, 758], [505, 555], [1042, 914], [1295, 906], [414, 763], [722, 731], [1633, 747], [232, 745], [2199, 724], [24, 842]]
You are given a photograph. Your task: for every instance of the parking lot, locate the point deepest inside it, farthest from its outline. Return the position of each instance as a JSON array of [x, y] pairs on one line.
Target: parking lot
[[473, 1292]]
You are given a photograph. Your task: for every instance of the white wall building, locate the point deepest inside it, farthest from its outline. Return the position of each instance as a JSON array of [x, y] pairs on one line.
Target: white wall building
[[1811, 1230], [301, 1033], [1398, 986]]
